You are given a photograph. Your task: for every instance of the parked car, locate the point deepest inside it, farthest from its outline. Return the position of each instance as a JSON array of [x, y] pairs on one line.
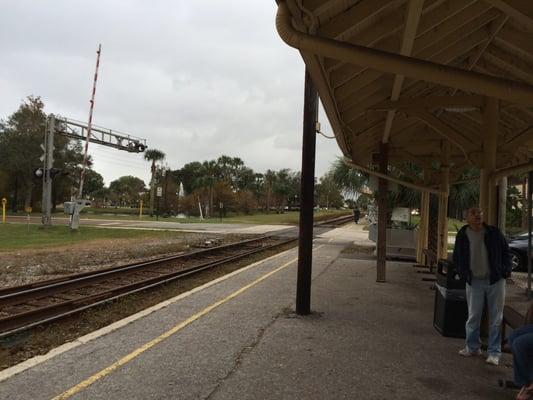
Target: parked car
[[518, 250]]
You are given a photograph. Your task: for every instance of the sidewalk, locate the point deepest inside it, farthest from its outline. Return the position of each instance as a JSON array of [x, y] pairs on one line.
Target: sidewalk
[[364, 340]]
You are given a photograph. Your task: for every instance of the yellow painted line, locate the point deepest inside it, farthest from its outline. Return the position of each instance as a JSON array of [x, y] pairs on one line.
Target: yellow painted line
[[126, 359]]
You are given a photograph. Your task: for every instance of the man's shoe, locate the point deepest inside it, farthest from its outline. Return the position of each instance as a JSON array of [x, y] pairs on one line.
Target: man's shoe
[[467, 353], [493, 360]]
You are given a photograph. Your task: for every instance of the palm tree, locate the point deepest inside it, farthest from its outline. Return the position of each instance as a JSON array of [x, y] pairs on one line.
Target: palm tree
[[350, 181], [153, 155]]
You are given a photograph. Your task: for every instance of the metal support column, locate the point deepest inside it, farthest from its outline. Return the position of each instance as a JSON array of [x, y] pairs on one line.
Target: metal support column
[[529, 228], [382, 214], [487, 192], [48, 163], [442, 246], [422, 240], [305, 244], [502, 204]]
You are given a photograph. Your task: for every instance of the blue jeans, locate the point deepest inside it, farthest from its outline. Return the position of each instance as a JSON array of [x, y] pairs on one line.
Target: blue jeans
[[476, 293], [521, 342]]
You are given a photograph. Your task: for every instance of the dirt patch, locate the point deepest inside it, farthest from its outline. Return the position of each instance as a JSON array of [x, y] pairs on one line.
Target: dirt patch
[[27, 266]]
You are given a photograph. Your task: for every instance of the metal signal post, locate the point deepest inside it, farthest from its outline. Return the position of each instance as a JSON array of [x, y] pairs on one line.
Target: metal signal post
[[48, 161]]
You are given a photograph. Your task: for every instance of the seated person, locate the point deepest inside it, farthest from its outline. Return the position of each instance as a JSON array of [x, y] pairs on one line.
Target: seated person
[[521, 342]]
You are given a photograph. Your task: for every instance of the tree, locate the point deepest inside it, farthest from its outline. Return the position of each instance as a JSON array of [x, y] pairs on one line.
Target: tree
[[125, 190], [189, 175], [328, 192], [208, 179], [350, 181], [20, 139], [153, 155], [268, 182], [94, 183]]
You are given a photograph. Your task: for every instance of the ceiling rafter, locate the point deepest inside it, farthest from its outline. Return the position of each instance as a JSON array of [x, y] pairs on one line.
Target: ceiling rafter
[[413, 17], [392, 25], [445, 130], [520, 10], [447, 56], [466, 34], [318, 6], [340, 26], [440, 43], [520, 41]]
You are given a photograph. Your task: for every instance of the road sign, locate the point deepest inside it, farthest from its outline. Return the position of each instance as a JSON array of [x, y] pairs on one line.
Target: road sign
[[159, 191]]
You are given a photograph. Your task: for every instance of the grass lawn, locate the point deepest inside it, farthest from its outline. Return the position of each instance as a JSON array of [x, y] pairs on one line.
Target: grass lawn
[[16, 236]]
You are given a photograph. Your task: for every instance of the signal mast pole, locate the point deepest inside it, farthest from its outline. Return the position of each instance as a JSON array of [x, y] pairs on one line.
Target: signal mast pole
[[89, 124]]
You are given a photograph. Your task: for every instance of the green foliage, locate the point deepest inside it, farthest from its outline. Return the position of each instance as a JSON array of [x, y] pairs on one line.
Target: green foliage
[[350, 181], [328, 193], [20, 139], [125, 190], [463, 195], [21, 136]]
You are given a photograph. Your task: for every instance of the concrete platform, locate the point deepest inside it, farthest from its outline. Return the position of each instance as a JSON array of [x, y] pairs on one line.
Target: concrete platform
[[239, 339]]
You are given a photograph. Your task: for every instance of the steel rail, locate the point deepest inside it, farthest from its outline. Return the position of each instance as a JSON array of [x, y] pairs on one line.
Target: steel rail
[[6, 293], [16, 323]]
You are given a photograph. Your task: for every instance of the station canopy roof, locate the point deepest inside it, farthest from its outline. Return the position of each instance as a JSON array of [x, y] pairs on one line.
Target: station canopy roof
[[414, 73]]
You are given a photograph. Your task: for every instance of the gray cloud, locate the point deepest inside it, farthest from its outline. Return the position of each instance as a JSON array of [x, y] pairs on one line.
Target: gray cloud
[[197, 79]]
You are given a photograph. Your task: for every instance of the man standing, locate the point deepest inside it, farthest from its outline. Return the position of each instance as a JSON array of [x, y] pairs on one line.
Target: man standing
[[481, 257], [356, 214]]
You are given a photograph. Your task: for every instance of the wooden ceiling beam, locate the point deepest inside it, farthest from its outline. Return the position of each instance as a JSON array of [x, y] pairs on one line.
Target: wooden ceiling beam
[[461, 123], [519, 139], [444, 50], [518, 40], [519, 10], [475, 15], [516, 68], [340, 26], [318, 6], [428, 102], [354, 108], [429, 32], [445, 130], [413, 17]]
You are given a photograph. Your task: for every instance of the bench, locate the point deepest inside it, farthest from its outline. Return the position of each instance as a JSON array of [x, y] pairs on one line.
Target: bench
[[513, 319], [431, 261]]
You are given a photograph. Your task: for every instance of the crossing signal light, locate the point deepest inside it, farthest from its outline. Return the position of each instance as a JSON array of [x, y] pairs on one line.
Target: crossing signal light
[[38, 172]]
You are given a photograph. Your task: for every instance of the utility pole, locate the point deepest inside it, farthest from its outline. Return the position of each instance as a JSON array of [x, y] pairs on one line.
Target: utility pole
[[48, 163]]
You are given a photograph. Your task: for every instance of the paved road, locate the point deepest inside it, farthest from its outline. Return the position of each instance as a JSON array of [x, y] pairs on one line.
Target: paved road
[[166, 225]]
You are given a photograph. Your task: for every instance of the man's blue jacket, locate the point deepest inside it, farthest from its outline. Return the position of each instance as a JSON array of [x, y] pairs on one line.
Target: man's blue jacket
[[497, 249]]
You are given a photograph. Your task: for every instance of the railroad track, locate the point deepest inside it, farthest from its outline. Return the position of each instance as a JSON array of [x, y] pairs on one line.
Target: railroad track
[[335, 221], [26, 306]]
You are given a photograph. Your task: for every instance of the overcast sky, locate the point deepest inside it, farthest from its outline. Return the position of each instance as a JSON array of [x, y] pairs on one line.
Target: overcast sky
[[195, 78]]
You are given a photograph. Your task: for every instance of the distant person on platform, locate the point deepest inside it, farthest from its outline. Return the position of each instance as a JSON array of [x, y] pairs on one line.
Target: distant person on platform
[[481, 256], [521, 342], [356, 214]]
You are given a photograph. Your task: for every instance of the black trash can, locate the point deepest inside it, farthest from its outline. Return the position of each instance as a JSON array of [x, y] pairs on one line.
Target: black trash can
[[450, 311]]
